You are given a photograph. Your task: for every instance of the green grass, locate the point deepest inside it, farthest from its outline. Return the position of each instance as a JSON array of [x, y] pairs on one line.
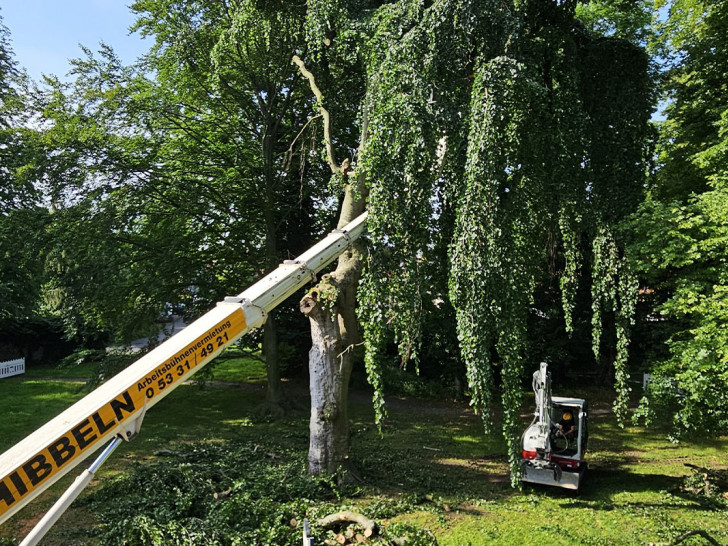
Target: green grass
[[432, 466], [233, 366], [247, 369], [45, 371], [29, 403]]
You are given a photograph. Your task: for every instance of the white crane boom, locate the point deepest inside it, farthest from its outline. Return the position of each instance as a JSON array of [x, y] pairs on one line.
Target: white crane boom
[[117, 407]]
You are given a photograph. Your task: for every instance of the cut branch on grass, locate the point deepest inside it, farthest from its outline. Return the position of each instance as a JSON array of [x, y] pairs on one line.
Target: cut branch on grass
[[698, 532], [346, 516]]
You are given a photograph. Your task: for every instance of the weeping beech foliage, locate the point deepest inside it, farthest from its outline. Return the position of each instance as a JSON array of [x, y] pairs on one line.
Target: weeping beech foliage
[[510, 131]]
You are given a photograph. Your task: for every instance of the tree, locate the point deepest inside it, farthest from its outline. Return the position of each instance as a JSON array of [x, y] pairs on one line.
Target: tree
[[682, 228], [691, 43], [512, 131], [331, 308], [112, 251], [22, 218], [621, 18], [232, 98], [15, 189], [186, 168]]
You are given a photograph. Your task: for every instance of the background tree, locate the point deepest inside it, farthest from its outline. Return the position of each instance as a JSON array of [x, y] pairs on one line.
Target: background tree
[[232, 95], [626, 19], [23, 219], [683, 226], [191, 170]]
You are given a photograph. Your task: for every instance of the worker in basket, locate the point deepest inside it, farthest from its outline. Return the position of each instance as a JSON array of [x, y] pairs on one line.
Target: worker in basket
[[567, 426]]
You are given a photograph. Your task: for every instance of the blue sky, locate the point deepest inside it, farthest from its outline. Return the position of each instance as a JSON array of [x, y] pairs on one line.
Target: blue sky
[[45, 34]]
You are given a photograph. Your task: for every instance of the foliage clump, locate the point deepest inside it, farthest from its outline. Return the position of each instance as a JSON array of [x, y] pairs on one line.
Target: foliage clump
[[708, 484], [682, 229], [239, 493]]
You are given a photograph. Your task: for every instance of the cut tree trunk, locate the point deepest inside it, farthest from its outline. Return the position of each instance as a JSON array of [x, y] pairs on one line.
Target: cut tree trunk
[[329, 371], [331, 308]]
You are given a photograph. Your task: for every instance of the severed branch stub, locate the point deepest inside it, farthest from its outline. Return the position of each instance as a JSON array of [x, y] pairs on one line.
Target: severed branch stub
[[346, 516], [345, 167]]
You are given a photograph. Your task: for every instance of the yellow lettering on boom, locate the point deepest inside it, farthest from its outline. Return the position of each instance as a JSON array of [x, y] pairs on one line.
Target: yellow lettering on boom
[[84, 435]]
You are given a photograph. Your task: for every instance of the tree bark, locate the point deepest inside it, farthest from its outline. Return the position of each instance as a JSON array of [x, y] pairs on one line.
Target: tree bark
[[274, 397], [331, 308], [274, 404], [329, 380]]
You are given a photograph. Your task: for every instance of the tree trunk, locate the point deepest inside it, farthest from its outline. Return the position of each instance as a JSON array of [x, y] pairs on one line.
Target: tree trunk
[[274, 397], [275, 402], [330, 371], [331, 308]]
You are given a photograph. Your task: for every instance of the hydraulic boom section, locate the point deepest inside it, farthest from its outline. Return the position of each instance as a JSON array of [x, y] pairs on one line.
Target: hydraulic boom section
[[542, 388]]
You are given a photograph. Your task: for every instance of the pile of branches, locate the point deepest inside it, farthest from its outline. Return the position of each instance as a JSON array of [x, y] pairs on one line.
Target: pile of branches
[[234, 493], [706, 482]]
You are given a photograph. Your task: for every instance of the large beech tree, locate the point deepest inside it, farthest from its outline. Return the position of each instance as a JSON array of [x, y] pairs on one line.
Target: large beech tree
[[230, 92], [509, 129], [22, 218]]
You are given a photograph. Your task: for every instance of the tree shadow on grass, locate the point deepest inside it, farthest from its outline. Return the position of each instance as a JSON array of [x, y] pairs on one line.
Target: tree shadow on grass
[[602, 486], [401, 473], [440, 458]]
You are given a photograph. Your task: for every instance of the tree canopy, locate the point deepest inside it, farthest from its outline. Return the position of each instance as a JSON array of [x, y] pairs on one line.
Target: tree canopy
[[511, 134], [22, 218]]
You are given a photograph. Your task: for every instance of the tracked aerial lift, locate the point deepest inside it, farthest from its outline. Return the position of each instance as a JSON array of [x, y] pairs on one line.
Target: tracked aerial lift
[[549, 456], [113, 413]]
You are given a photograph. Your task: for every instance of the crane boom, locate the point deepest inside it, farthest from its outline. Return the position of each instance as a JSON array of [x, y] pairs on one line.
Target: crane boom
[[117, 407]]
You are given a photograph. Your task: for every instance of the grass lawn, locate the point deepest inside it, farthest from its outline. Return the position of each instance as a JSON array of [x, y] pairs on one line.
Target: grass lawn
[[247, 369], [432, 467]]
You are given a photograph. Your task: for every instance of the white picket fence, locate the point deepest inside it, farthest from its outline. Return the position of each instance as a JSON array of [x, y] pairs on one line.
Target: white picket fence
[[12, 367]]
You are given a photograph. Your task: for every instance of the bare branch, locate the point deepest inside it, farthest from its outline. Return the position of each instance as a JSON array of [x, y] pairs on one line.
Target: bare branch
[[335, 168], [289, 152]]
